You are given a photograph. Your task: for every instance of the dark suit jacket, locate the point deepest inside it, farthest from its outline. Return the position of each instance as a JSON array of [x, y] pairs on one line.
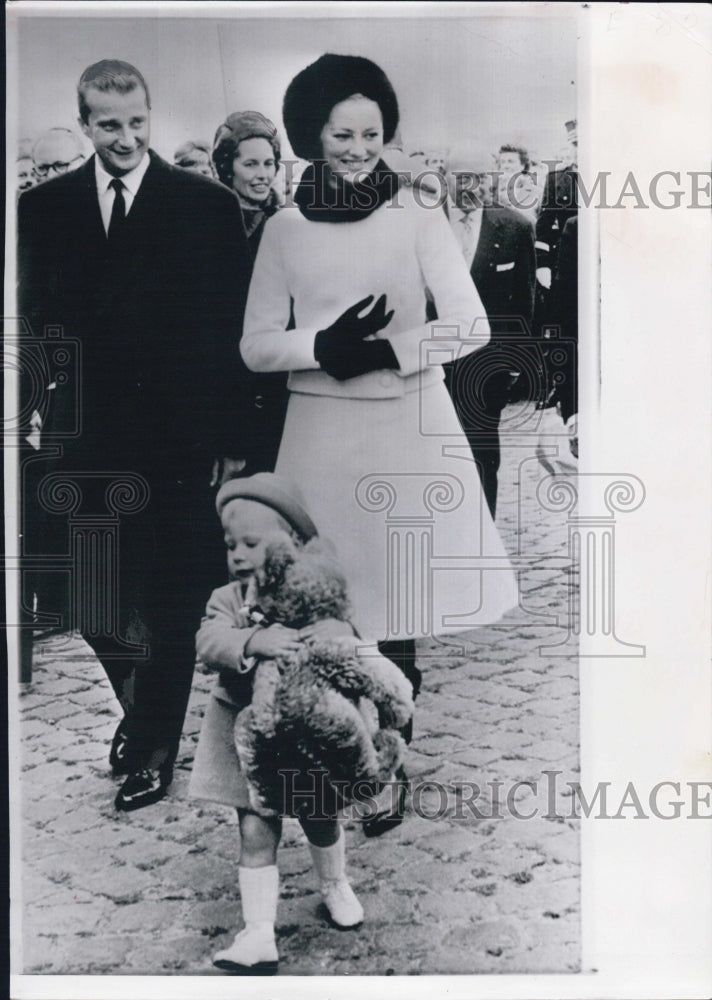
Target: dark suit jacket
[[503, 270], [559, 204], [563, 313], [157, 316]]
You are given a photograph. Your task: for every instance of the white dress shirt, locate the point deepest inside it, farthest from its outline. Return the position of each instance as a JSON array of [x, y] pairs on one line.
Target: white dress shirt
[[131, 181], [466, 226]]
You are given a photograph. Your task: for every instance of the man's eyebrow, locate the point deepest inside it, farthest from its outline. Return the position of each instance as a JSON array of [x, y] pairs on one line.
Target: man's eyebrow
[[115, 121]]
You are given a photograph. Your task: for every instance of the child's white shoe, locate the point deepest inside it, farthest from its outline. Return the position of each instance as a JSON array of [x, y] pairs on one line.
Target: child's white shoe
[[252, 953], [342, 904], [339, 898], [254, 950]]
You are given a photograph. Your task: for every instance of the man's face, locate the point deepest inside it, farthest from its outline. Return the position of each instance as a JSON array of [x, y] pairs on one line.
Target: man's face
[[468, 189], [25, 178], [436, 161], [118, 126], [55, 154]]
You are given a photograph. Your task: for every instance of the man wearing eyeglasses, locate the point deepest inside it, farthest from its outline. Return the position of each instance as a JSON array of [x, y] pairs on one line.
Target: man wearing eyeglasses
[[144, 266], [56, 152]]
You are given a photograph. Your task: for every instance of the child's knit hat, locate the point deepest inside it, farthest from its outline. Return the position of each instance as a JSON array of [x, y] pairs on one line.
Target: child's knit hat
[[273, 491]]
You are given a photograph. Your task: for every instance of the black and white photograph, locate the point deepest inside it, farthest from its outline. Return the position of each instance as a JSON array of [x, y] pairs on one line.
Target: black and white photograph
[[333, 656]]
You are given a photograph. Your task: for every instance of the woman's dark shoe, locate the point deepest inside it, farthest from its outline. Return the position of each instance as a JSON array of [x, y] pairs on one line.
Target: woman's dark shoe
[[391, 816]]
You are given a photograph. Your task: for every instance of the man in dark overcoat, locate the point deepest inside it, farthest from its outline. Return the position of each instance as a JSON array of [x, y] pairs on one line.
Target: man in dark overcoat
[[143, 266], [498, 246]]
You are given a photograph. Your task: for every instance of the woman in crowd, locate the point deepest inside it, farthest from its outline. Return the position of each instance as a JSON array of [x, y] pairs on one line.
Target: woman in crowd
[[517, 187], [368, 413], [246, 155]]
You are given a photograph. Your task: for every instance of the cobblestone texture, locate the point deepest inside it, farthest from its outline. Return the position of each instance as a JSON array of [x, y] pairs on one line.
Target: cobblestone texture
[[463, 886]]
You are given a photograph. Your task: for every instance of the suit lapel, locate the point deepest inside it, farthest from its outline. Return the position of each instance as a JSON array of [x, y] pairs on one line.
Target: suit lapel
[[146, 204], [131, 253], [88, 211], [487, 245]]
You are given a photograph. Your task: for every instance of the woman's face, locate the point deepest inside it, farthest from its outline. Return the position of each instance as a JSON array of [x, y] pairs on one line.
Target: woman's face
[[253, 170], [352, 139]]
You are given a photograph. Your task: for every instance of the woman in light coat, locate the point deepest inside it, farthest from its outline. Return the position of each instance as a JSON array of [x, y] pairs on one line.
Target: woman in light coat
[[371, 435]]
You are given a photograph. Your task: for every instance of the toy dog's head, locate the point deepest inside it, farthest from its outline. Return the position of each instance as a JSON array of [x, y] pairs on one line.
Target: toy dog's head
[[299, 586]]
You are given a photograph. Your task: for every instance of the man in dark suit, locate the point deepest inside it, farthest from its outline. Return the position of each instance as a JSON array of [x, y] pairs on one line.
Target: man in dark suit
[[143, 265], [559, 205], [563, 312], [498, 247]]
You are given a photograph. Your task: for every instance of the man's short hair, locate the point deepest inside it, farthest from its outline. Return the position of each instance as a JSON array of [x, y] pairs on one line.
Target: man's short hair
[[109, 74], [58, 133]]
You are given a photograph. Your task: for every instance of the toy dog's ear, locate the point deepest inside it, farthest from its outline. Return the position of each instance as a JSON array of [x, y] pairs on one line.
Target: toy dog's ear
[[280, 553], [319, 546]]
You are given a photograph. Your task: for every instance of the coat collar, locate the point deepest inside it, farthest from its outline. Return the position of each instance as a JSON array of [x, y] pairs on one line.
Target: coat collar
[[86, 174]]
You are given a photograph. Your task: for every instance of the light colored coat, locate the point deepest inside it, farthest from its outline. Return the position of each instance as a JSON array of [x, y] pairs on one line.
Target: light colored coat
[[389, 426], [324, 267], [220, 643]]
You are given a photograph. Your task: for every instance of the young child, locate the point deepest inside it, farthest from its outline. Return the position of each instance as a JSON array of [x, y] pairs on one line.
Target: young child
[[252, 511]]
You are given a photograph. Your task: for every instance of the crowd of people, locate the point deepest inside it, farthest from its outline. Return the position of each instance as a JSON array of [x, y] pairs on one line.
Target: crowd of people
[[260, 333]]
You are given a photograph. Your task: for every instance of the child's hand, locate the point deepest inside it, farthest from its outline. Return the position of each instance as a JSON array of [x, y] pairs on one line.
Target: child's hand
[[276, 640], [328, 628]]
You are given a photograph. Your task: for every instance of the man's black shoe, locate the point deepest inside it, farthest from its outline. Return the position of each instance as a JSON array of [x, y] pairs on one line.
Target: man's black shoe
[[118, 755], [143, 788]]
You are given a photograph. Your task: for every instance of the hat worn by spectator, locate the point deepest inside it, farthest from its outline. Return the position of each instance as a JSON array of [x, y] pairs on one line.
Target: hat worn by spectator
[[325, 83], [237, 127], [273, 491]]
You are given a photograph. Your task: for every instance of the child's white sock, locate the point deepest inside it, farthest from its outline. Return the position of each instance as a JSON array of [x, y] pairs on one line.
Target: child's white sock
[[254, 949], [339, 898]]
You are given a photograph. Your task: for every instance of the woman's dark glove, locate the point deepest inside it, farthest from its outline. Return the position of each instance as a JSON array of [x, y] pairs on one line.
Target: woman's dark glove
[[342, 350]]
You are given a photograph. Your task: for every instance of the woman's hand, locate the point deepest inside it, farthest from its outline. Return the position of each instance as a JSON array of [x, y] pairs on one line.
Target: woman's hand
[[327, 628], [275, 640], [351, 325], [342, 350]]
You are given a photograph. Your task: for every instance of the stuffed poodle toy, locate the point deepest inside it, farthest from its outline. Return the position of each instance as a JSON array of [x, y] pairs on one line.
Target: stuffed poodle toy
[[330, 711]]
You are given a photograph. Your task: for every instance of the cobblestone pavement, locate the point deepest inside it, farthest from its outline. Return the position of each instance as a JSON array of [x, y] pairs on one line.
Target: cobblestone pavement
[[457, 888]]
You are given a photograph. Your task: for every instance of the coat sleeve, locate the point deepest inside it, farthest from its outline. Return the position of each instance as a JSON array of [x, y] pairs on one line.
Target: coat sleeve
[[526, 269], [35, 287], [29, 260], [462, 326], [221, 641], [225, 279], [264, 345]]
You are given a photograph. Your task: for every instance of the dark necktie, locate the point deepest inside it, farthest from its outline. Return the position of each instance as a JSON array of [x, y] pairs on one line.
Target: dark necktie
[[118, 209]]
